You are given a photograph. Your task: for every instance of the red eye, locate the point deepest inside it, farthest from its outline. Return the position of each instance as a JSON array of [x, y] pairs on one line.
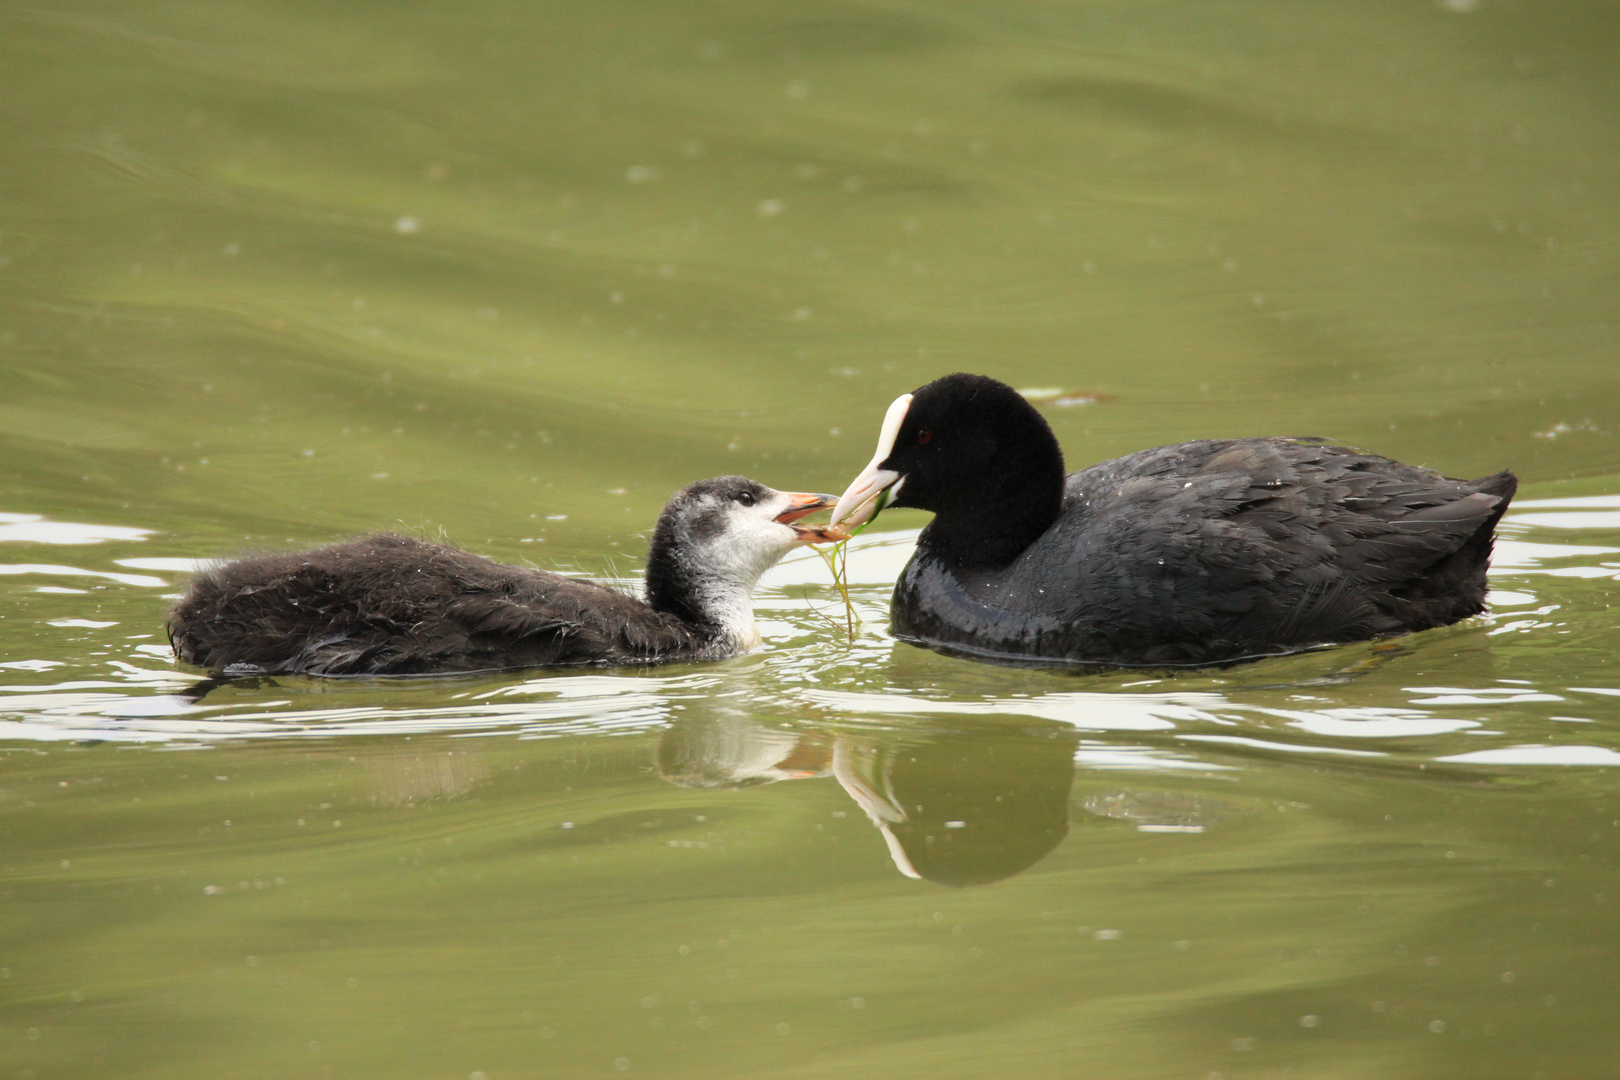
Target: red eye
[[924, 435]]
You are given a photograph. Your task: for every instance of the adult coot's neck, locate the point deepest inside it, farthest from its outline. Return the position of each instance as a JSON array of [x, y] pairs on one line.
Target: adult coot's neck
[[978, 455]]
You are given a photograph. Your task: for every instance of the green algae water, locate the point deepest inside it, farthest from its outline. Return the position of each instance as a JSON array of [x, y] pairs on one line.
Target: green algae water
[[508, 274]]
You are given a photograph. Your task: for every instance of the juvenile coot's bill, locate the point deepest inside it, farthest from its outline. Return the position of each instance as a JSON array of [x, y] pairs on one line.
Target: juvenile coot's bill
[[395, 605], [1196, 553]]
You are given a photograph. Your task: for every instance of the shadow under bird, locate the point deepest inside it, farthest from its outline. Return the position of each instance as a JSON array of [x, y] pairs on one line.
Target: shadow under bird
[[1196, 553], [395, 605]]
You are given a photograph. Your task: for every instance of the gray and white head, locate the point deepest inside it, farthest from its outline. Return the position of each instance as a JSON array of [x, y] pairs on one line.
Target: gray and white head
[[715, 539]]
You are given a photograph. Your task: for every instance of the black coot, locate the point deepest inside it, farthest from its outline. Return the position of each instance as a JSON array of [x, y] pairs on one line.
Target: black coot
[[393, 605], [1195, 553]]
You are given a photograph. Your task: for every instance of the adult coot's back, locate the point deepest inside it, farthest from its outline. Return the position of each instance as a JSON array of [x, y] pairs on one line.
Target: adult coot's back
[[393, 605], [1194, 553]]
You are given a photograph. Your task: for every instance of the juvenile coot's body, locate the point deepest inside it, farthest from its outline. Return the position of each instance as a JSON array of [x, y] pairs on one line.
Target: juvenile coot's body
[[394, 605], [1196, 553]]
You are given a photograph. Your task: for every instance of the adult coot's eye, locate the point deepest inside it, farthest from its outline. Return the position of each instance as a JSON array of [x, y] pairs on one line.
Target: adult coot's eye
[[746, 498], [924, 435]]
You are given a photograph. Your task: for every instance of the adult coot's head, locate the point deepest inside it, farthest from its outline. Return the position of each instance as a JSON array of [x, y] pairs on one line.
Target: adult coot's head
[[714, 540], [975, 452]]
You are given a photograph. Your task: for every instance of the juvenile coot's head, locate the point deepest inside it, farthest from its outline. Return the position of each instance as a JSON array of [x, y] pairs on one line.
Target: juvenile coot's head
[[714, 540], [737, 527], [972, 450]]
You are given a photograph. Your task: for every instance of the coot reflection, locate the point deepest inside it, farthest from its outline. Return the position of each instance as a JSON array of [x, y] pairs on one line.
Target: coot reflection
[[957, 805]]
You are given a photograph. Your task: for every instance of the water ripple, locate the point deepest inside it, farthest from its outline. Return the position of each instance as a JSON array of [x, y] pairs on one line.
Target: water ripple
[[111, 685]]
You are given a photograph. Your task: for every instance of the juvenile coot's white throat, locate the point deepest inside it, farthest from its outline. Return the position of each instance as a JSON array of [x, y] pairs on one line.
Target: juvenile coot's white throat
[[1195, 553], [395, 605]]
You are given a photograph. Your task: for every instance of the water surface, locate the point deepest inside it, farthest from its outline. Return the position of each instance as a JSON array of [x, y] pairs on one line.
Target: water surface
[[508, 274]]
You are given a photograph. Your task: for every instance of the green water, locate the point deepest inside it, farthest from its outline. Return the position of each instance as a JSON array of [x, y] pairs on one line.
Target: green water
[[272, 274]]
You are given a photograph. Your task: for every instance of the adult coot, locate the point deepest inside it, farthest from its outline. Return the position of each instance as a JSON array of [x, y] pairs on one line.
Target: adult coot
[[1195, 553], [394, 605]]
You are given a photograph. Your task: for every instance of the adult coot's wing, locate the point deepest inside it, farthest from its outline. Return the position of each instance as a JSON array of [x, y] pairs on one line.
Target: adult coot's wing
[[1368, 545], [1216, 548], [1410, 542]]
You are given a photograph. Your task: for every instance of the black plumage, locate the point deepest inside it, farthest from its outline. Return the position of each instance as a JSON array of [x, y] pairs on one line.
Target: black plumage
[[1195, 553], [395, 605]]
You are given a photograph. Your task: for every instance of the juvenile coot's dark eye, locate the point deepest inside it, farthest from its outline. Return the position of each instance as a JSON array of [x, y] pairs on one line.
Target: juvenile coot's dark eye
[[924, 435], [746, 498]]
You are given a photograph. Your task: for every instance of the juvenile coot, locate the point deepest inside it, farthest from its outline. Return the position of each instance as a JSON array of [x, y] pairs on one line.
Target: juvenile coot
[[394, 605], [1195, 553]]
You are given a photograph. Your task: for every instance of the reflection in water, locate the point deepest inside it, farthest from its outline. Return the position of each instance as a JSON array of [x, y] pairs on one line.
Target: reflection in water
[[34, 529], [957, 805], [963, 808], [401, 775], [727, 748], [1156, 811]]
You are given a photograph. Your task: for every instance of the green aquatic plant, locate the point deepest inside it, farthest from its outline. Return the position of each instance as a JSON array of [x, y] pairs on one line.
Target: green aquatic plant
[[837, 560]]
